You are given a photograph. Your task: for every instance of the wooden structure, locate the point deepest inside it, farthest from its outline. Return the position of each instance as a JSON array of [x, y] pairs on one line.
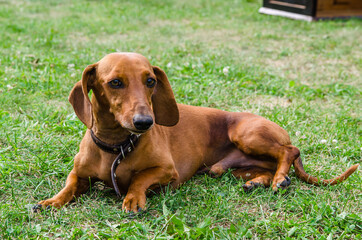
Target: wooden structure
[[312, 9]]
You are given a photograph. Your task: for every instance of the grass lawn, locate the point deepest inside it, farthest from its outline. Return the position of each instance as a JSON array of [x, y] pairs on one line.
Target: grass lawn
[[304, 76]]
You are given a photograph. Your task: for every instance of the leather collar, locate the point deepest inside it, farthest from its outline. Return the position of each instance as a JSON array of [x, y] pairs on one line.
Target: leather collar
[[116, 148], [122, 149]]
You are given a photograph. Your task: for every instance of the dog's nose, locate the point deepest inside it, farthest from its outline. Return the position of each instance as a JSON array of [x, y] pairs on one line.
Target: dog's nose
[[142, 122]]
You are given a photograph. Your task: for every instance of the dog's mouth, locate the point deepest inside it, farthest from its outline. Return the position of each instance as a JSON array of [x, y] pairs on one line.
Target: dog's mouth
[[136, 131]]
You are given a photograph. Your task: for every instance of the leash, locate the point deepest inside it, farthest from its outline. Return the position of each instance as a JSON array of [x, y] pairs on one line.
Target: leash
[[122, 149]]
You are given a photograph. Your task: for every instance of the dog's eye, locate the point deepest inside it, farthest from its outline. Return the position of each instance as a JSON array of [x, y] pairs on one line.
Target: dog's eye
[[150, 82], [116, 83]]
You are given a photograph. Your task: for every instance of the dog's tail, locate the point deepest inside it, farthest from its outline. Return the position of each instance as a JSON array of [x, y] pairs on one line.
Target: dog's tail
[[299, 170]]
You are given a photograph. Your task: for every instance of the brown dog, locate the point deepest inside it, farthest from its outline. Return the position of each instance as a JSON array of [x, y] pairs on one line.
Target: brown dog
[[176, 141]]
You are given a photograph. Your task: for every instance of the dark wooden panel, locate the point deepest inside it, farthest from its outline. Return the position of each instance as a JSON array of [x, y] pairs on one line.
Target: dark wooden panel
[[305, 7]]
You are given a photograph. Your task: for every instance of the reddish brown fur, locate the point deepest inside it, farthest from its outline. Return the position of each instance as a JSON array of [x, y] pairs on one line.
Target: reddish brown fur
[[185, 140]]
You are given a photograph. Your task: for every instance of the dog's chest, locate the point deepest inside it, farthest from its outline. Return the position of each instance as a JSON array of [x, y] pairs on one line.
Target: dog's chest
[[124, 173]]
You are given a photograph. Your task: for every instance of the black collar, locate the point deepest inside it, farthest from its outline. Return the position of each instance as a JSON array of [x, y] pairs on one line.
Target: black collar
[[122, 149], [126, 146]]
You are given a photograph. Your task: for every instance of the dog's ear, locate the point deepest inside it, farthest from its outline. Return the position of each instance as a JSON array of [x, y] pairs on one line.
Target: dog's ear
[[163, 100], [79, 96]]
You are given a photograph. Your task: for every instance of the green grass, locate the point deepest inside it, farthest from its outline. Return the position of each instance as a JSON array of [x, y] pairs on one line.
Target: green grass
[[304, 76]]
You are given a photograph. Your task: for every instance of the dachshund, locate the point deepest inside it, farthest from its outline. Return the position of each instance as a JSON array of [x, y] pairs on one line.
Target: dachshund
[[132, 101]]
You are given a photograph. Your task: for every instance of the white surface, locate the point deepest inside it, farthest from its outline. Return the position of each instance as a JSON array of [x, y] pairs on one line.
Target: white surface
[[275, 12]]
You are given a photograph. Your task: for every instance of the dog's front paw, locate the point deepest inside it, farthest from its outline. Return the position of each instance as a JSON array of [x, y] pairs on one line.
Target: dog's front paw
[[47, 204], [134, 202]]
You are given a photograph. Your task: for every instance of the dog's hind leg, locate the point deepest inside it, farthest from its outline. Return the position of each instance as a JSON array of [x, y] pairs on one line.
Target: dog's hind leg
[[264, 139], [237, 159], [255, 177], [283, 159], [260, 172], [231, 160], [287, 155]]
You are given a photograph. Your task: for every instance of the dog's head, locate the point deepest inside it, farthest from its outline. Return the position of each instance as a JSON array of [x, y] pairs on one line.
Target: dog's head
[[128, 87]]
